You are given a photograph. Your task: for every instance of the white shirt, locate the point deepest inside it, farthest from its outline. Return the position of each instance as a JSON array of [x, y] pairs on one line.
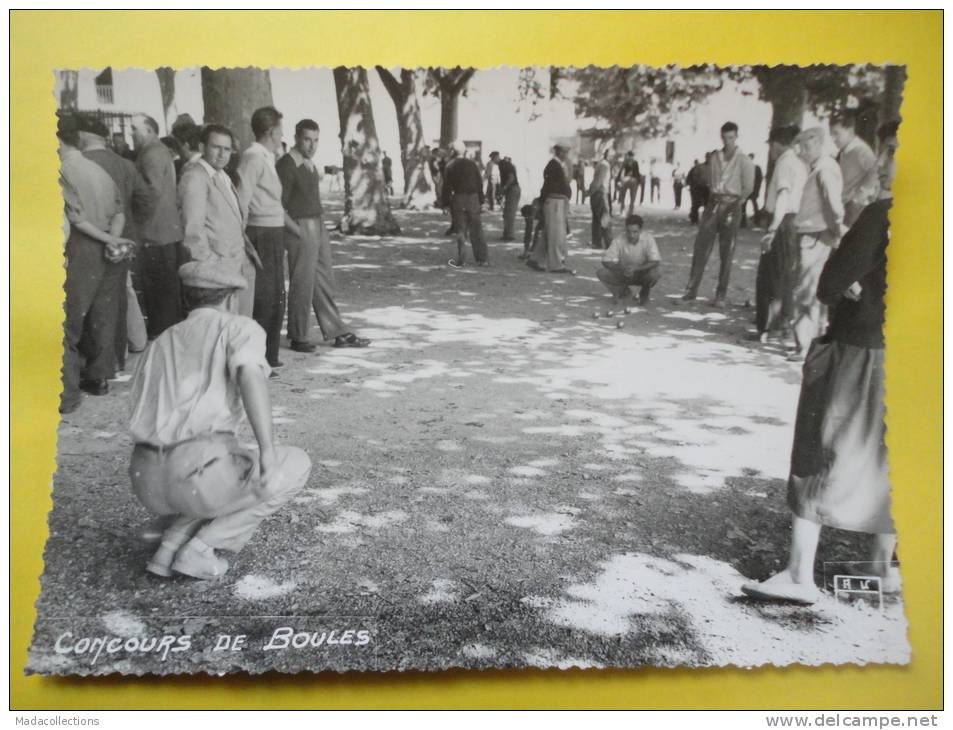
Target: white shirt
[[186, 382]]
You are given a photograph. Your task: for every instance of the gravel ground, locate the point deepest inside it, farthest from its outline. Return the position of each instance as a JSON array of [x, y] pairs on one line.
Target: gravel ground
[[501, 480]]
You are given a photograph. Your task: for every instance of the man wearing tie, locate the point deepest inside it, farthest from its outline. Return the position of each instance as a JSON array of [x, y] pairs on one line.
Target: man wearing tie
[[213, 219]]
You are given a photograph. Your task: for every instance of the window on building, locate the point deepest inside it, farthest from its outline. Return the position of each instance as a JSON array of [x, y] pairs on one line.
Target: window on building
[[670, 152], [104, 87]]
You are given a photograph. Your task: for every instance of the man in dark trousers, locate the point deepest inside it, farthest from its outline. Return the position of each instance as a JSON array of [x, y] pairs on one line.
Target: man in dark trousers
[[161, 253], [463, 195], [511, 192], [628, 181], [94, 269], [753, 198], [387, 167], [137, 203], [697, 189], [260, 194]]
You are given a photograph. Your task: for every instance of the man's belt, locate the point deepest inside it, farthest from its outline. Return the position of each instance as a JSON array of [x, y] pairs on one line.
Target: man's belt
[[165, 448]]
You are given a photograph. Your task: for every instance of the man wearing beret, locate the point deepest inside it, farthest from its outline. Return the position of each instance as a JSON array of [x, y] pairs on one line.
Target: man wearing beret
[[190, 392]]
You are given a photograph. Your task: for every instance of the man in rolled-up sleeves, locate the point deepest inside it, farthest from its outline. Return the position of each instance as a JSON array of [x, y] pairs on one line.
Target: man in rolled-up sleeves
[[731, 180]]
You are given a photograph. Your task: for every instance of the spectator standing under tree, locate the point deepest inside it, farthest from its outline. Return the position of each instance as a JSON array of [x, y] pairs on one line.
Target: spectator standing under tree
[[260, 194], [387, 167], [95, 273], [511, 193], [161, 253], [820, 226], [858, 166], [599, 203], [777, 266], [551, 252], [655, 178], [311, 274], [579, 177], [628, 181], [214, 219], [492, 176], [678, 182], [731, 175], [698, 188], [137, 201], [463, 196]]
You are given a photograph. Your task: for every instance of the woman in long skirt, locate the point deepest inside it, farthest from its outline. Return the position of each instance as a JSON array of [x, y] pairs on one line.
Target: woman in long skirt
[[839, 460]]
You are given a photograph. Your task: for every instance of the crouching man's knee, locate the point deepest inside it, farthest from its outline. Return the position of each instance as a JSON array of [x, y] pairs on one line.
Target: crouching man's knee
[[295, 467], [651, 277]]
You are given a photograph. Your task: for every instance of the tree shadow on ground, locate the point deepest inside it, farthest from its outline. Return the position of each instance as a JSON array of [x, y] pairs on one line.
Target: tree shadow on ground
[[503, 480]]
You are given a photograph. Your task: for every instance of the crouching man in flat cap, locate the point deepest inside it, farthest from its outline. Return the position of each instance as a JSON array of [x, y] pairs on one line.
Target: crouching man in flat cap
[[189, 393]]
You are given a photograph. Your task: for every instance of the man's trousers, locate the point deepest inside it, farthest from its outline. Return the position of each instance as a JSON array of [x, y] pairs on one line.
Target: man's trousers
[[465, 214], [597, 204], [93, 288], [161, 289], [720, 221], [311, 282], [511, 204], [269, 308], [618, 284], [777, 270], [209, 484], [552, 251], [809, 314], [490, 195]]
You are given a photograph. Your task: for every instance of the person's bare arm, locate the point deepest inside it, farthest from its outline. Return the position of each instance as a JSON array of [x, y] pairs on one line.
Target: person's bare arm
[[254, 389]]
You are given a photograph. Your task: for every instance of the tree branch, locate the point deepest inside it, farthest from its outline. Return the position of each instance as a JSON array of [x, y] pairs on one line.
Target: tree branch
[[391, 84]]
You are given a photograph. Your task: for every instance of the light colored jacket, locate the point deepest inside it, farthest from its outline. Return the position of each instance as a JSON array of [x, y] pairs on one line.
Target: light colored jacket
[[214, 222]]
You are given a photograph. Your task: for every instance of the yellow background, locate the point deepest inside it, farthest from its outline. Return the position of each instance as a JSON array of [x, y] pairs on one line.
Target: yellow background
[[42, 41]]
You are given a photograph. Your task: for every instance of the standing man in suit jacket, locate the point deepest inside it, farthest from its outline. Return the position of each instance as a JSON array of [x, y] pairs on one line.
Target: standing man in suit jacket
[[160, 256], [213, 218]]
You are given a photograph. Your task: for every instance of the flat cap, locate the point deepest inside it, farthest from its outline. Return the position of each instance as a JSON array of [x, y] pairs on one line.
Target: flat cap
[[206, 275]]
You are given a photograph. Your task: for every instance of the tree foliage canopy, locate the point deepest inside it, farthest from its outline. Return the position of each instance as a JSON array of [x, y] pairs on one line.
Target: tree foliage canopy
[[641, 99]]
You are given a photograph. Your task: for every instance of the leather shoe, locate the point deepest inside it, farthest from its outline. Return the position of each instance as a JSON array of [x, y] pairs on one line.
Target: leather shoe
[[276, 364], [303, 346], [198, 560], [94, 387]]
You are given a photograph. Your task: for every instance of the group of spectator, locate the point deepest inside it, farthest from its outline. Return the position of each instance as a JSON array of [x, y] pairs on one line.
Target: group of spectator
[[139, 215]]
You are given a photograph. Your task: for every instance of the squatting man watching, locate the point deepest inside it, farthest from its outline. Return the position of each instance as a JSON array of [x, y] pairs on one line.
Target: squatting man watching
[[631, 260]]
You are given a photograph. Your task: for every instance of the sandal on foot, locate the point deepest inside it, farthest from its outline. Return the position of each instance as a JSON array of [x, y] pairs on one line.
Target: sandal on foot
[[351, 340]]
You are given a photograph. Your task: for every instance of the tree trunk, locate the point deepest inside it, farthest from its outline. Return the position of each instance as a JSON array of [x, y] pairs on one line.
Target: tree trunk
[[68, 89], [231, 95], [893, 93], [785, 87], [366, 210], [166, 77], [403, 93], [451, 84]]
